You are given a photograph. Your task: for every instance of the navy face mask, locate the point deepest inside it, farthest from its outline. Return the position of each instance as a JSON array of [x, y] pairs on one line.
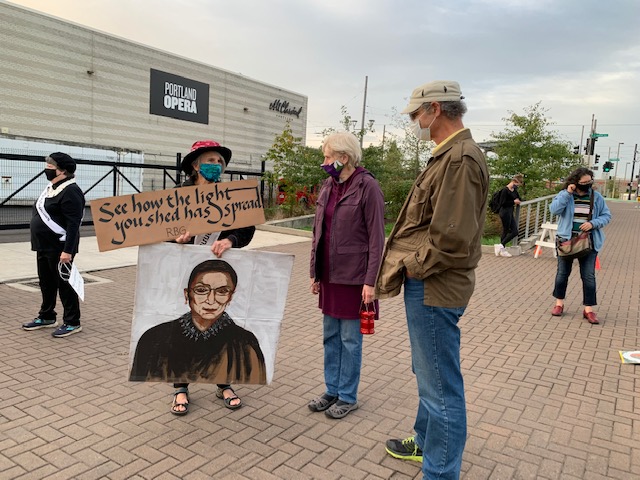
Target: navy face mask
[[211, 171]]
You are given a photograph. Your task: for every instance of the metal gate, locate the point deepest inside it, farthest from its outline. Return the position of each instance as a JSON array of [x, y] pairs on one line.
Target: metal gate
[[22, 180]]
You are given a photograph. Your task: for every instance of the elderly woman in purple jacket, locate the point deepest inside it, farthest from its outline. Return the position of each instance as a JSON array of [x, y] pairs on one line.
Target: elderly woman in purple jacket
[[348, 239]]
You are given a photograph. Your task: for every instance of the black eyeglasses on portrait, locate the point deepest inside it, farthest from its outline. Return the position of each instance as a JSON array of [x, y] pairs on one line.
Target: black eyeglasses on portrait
[[220, 293]]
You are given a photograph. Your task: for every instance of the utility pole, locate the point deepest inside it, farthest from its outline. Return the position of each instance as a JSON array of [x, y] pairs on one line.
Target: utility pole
[[606, 177], [591, 140], [364, 107], [633, 166], [615, 171]]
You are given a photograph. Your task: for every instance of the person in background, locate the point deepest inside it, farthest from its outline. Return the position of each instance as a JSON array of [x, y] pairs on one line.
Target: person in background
[[55, 237], [576, 213], [204, 164], [348, 238], [509, 197], [433, 251]]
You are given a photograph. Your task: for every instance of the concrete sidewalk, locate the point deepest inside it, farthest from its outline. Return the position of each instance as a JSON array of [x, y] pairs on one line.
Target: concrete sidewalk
[[20, 261], [548, 397]]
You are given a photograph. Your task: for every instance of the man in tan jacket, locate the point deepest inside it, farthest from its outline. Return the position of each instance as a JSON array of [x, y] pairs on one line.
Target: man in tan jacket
[[433, 250]]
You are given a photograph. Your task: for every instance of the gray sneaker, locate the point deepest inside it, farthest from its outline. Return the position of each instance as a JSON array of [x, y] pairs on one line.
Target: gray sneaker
[[65, 330], [39, 323], [340, 409]]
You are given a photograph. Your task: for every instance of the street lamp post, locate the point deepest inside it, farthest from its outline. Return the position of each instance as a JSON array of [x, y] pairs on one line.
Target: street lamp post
[[626, 165], [615, 172], [633, 166], [606, 176]]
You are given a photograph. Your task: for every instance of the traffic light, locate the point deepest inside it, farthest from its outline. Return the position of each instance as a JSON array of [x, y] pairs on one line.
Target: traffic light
[[576, 150], [597, 158], [607, 166], [592, 145]]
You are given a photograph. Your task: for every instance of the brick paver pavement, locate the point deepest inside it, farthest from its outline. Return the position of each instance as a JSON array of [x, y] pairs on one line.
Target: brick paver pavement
[[547, 397]]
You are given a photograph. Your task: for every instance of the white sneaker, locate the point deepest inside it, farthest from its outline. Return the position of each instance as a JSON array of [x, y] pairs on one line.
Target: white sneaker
[[505, 253], [497, 248]]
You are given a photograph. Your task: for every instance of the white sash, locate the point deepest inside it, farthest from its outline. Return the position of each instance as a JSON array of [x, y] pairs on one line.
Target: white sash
[[206, 239], [50, 192]]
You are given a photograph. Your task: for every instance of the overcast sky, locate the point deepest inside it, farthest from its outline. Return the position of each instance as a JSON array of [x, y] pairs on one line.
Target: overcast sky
[[577, 57]]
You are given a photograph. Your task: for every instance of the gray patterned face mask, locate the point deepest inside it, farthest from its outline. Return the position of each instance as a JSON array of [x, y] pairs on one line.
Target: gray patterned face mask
[[423, 134]]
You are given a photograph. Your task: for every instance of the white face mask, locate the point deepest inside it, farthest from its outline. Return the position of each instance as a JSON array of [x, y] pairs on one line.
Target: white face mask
[[423, 134]]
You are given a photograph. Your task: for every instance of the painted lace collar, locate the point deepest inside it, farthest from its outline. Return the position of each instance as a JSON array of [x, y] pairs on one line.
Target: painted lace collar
[[192, 332]]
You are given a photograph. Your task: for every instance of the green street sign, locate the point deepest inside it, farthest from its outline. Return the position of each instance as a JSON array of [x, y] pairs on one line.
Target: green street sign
[[614, 159], [595, 135]]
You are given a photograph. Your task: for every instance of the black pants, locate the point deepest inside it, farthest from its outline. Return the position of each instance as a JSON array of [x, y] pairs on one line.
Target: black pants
[[509, 226], [50, 285]]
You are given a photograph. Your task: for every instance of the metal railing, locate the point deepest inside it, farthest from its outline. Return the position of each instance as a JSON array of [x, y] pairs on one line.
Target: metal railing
[[530, 215], [97, 178]]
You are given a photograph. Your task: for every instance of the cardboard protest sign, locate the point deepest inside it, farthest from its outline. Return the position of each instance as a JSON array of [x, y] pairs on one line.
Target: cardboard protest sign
[[199, 318], [631, 356], [161, 215]]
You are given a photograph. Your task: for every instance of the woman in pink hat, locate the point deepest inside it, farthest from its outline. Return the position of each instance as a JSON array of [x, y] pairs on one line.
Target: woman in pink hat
[[204, 164]]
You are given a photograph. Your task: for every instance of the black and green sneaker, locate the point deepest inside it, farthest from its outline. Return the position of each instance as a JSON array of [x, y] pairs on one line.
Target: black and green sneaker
[[39, 323], [404, 449]]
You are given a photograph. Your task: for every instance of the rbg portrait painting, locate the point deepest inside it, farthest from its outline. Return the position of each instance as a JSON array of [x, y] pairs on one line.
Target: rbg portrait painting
[[198, 318]]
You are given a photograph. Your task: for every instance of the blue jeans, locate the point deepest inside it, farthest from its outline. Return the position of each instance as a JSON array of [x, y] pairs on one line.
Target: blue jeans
[[441, 422], [342, 358], [587, 273]]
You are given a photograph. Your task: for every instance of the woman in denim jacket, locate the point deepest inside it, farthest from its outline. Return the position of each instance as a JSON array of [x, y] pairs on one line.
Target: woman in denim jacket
[[572, 205]]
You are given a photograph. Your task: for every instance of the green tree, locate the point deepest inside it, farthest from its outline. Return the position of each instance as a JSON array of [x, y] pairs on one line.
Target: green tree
[[283, 151], [349, 125], [397, 164], [295, 166], [416, 153], [529, 146], [396, 180], [373, 161]]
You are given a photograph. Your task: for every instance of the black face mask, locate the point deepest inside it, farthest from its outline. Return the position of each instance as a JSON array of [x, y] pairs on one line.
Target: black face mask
[[50, 173]]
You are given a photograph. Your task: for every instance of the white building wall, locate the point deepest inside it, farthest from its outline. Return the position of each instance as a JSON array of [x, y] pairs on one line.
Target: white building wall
[[66, 83]]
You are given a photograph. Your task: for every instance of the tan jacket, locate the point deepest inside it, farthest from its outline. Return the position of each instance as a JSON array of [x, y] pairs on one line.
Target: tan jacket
[[437, 235]]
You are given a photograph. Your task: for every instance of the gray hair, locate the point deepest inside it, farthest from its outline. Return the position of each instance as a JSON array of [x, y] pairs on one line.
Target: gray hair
[[452, 110], [345, 143]]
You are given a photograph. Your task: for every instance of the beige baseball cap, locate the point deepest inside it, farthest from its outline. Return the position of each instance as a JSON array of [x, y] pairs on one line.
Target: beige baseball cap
[[438, 91]]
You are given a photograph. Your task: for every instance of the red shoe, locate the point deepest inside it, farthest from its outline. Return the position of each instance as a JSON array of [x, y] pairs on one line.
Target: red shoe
[[591, 317], [557, 310]]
